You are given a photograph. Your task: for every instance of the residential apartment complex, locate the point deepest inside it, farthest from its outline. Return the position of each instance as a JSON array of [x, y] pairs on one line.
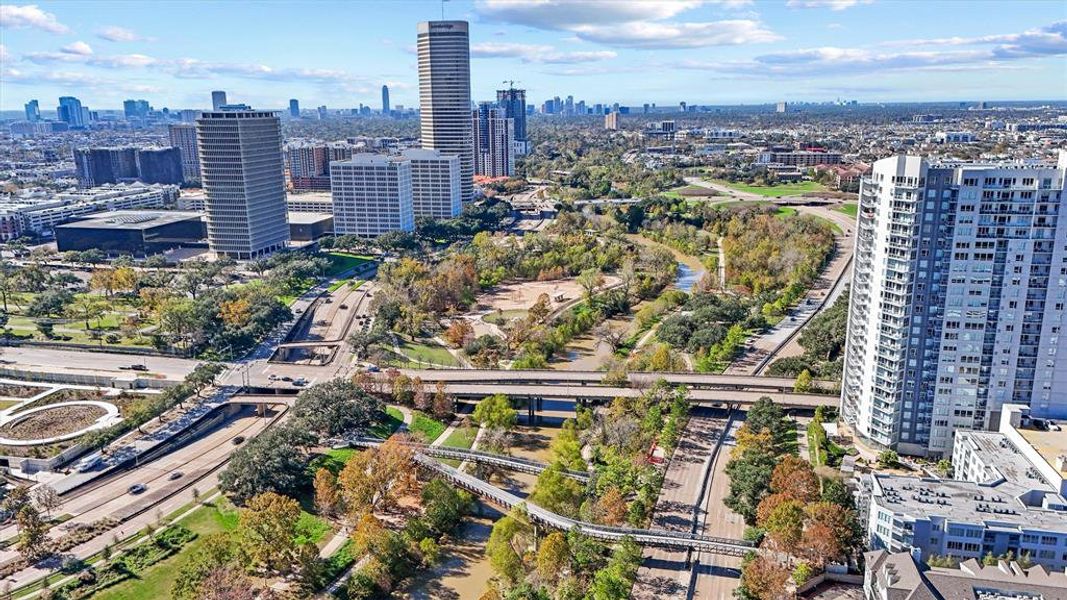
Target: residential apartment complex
[[1008, 496], [244, 179], [958, 295], [183, 137], [494, 141], [435, 184], [445, 94], [38, 212], [513, 102], [798, 158], [900, 577], [371, 195]]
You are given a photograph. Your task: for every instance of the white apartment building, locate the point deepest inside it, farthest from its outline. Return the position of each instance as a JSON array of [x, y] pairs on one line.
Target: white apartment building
[[435, 184], [38, 211], [445, 94], [243, 177], [371, 195], [959, 288]]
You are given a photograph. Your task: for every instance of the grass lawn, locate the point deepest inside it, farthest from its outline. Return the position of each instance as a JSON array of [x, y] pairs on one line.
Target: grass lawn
[[785, 211], [427, 351], [355, 283], [426, 426], [785, 189], [334, 460], [156, 581], [849, 208], [501, 317], [462, 437], [393, 420], [343, 261], [311, 528]]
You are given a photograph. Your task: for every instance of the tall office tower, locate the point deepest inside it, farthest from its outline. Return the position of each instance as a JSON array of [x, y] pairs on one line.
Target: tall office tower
[[435, 184], [782, 107], [243, 176], [294, 108], [309, 168], [568, 106], [385, 100], [445, 94], [371, 195], [160, 165], [136, 109], [611, 121], [71, 112], [97, 166], [322, 112], [959, 288], [183, 137], [494, 141], [513, 102], [579, 107], [218, 99], [33, 111]]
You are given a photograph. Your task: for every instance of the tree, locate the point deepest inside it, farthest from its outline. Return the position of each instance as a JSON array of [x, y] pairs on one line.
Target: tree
[[273, 461], [830, 533], [87, 307], [590, 280], [377, 477], [750, 478], [442, 404], [764, 414], [335, 407], [612, 507], [944, 467], [750, 440], [214, 552], [50, 303], [268, 531], [47, 498], [557, 492], [804, 382], [443, 506], [553, 557], [609, 336], [508, 542], [888, 459], [764, 579], [459, 333], [33, 533], [362, 341], [227, 583], [327, 495], [495, 412], [795, 478], [785, 525]]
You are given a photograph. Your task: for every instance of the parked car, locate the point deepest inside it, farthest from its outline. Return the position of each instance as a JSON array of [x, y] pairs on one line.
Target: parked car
[[300, 381]]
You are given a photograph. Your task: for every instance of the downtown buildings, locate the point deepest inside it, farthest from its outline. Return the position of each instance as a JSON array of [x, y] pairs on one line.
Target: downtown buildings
[[958, 296], [494, 141], [513, 103], [445, 94], [243, 176]]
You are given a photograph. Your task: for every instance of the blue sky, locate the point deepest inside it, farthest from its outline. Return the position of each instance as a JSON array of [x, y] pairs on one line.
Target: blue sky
[[706, 52]]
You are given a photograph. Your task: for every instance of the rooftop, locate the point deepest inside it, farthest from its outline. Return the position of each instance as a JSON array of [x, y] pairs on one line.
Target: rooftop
[[307, 218], [1051, 445], [903, 578], [131, 219], [995, 506]]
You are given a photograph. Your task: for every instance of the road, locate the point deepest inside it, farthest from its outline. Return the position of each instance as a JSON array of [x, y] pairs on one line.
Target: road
[[717, 576], [664, 574], [198, 462], [79, 362]]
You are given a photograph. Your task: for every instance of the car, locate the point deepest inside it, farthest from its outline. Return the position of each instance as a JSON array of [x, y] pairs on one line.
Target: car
[[344, 307], [88, 464], [373, 368], [329, 301], [137, 488], [300, 381], [321, 322], [139, 367], [237, 441], [175, 475], [272, 377], [287, 378]]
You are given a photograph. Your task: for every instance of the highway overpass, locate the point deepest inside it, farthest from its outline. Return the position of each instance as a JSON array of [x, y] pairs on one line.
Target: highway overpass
[[601, 393]]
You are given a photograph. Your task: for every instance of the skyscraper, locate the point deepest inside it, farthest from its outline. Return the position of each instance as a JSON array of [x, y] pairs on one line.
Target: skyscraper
[[371, 195], [160, 165], [494, 141], [513, 102], [611, 121], [242, 172], [33, 111], [183, 137], [218, 99], [135, 109], [385, 100], [445, 94], [294, 108], [959, 289], [71, 111]]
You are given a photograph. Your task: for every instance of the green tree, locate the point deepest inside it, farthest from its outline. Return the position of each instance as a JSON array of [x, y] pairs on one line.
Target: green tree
[[557, 492], [335, 407], [215, 551], [803, 383], [495, 412], [888, 459], [443, 505], [750, 480], [553, 557], [508, 542], [273, 461], [33, 533]]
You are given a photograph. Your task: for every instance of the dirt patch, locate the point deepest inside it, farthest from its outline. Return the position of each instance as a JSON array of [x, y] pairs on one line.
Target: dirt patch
[[52, 422], [63, 395], [521, 295]]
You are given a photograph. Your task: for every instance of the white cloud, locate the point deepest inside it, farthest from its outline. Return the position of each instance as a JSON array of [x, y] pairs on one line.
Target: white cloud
[[631, 23], [537, 53], [77, 48], [115, 33], [678, 35], [831, 4], [30, 16]]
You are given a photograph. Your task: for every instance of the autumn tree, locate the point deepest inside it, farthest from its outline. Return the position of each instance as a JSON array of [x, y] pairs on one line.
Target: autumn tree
[[762, 578], [785, 525], [612, 507], [442, 404], [830, 533], [459, 333], [33, 533], [795, 477], [327, 495], [553, 557], [268, 530]]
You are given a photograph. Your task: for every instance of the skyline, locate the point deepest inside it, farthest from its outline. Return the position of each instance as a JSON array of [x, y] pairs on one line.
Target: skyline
[[701, 52]]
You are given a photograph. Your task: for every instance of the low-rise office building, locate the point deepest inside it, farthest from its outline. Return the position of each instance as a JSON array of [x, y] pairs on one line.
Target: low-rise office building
[[435, 183], [371, 195], [39, 211], [139, 233], [309, 226]]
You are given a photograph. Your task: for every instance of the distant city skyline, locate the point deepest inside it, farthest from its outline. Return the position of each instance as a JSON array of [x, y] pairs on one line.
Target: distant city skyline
[[700, 52]]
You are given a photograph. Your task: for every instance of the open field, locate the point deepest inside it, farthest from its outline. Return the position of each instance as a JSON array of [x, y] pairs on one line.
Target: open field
[[418, 353], [849, 208], [784, 189], [691, 191], [522, 295], [343, 261]]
